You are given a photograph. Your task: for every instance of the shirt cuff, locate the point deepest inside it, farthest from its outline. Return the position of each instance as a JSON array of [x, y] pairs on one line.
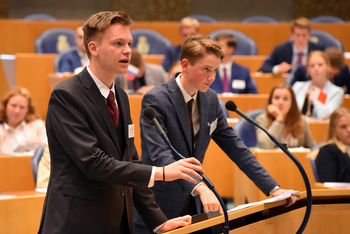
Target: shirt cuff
[[192, 192], [151, 180], [275, 69], [156, 230]]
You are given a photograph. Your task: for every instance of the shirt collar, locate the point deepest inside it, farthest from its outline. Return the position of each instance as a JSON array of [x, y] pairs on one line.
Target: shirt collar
[[101, 86], [304, 51], [227, 65], [184, 93], [8, 127], [81, 54]]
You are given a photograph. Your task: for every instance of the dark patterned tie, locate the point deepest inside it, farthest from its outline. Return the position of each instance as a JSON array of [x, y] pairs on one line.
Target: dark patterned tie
[[300, 58], [112, 107], [189, 109]]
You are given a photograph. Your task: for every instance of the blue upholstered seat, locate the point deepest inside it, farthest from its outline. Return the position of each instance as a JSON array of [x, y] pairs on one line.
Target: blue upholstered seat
[[148, 41], [55, 40]]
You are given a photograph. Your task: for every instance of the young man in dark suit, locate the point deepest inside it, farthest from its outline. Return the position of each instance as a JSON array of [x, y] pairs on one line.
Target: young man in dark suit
[[231, 77], [96, 175], [287, 57], [190, 114]]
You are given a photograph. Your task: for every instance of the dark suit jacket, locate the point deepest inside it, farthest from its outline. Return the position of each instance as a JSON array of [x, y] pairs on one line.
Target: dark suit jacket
[[238, 72], [69, 62], [341, 80], [92, 181], [284, 53], [172, 55], [171, 112], [332, 164]]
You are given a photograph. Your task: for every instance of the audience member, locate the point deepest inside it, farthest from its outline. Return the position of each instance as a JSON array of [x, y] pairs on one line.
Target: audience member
[[190, 114], [333, 158], [21, 129], [231, 77], [96, 176], [148, 75], [318, 97], [338, 72], [287, 57], [283, 119], [75, 60], [188, 27], [175, 68], [43, 175]]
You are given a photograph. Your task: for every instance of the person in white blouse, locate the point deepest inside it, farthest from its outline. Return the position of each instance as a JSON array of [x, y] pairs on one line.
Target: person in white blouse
[[21, 129]]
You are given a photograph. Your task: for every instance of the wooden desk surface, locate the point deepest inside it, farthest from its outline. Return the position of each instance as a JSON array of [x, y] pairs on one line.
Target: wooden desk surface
[[22, 213], [16, 173]]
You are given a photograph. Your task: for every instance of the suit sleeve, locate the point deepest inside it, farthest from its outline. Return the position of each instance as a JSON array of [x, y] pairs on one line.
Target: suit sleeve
[[326, 163], [167, 61], [250, 83], [65, 64], [270, 62]]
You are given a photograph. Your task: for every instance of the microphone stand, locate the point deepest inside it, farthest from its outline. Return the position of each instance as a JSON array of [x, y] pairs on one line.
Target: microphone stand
[[207, 182], [284, 148]]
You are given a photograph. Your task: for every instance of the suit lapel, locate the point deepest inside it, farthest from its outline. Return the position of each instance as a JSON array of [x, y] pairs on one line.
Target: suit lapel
[[203, 119], [95, 96], [123, 110]]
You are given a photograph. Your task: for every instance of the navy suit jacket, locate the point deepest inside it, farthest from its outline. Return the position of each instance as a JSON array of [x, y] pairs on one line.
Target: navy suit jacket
[[69, 62], [92, 181], [284, 53], [341, 80], [172, 55], [238, 72], [171, 112]]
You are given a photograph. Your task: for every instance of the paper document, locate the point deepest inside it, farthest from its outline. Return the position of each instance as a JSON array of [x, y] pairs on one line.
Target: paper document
[[336, 185], [269, 200]]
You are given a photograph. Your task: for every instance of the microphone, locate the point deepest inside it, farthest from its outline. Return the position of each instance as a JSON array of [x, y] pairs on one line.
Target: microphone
[[151, 115], [231, 106]]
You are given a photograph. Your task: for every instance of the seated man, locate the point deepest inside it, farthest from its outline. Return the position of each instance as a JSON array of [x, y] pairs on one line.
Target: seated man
[[231, 77], [338, 72], [75, 60], [287, 57], [188, 27], [147, 77]]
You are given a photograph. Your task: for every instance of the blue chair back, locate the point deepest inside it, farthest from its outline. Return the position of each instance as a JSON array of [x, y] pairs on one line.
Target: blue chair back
[[326, 19], [258, 19], [203, 18], [148, 41], [245, 45], [245, 130], [40, 16], [55, 40], [57, 61], [326, 39], [314, 169], [36, 159]]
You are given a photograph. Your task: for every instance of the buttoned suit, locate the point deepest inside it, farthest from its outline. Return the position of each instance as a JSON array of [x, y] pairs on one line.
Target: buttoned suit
[[238, 72], [92, 181], [171, 111]]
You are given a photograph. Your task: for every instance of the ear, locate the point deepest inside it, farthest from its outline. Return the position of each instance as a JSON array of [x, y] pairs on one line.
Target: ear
[[232, 49], [93, 48], [185, 64]]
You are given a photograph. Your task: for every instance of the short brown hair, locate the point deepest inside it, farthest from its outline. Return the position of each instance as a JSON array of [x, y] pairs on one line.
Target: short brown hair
[[293, 122], [136, 58], [333, 119], [336, 57], [301, 22], [229, 38], [31, 115], [189, 22], [197, 46], [98, 23]]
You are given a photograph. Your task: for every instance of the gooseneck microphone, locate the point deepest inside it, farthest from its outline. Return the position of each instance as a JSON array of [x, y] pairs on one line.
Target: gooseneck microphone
[[231, 106], [151, 115]]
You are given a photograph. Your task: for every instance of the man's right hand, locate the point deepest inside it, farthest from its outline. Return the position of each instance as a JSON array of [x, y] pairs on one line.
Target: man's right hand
[[284, 67], [181, 169]]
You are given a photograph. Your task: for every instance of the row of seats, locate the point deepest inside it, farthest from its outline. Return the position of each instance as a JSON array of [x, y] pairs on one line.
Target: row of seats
[[209, 19], [148, 41]]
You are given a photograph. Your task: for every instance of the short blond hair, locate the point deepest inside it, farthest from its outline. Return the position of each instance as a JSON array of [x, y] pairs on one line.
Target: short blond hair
[[189, 22], [301, 22]]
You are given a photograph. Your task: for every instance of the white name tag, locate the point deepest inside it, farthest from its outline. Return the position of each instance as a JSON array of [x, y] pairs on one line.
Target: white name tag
[[213, 126], [131, 131], [238, 84]]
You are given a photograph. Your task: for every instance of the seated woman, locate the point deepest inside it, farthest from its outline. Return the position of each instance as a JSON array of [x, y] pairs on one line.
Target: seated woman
[[21, 129], [318, 97], [283, 120], [333, 158]]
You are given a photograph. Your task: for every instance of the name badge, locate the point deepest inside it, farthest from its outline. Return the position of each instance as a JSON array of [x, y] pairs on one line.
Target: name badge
[[213, 126], [238, 84], [131, 130]]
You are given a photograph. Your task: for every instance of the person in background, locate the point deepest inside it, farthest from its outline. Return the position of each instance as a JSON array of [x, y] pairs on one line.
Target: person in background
[[231, 77], [147, 77], [287, 57], [283, 119], [75, 60], [188, 27], [21, 129], [190, 113], [43, 175], [318, 97], [333, 158], [338, 72], [174, 68]]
